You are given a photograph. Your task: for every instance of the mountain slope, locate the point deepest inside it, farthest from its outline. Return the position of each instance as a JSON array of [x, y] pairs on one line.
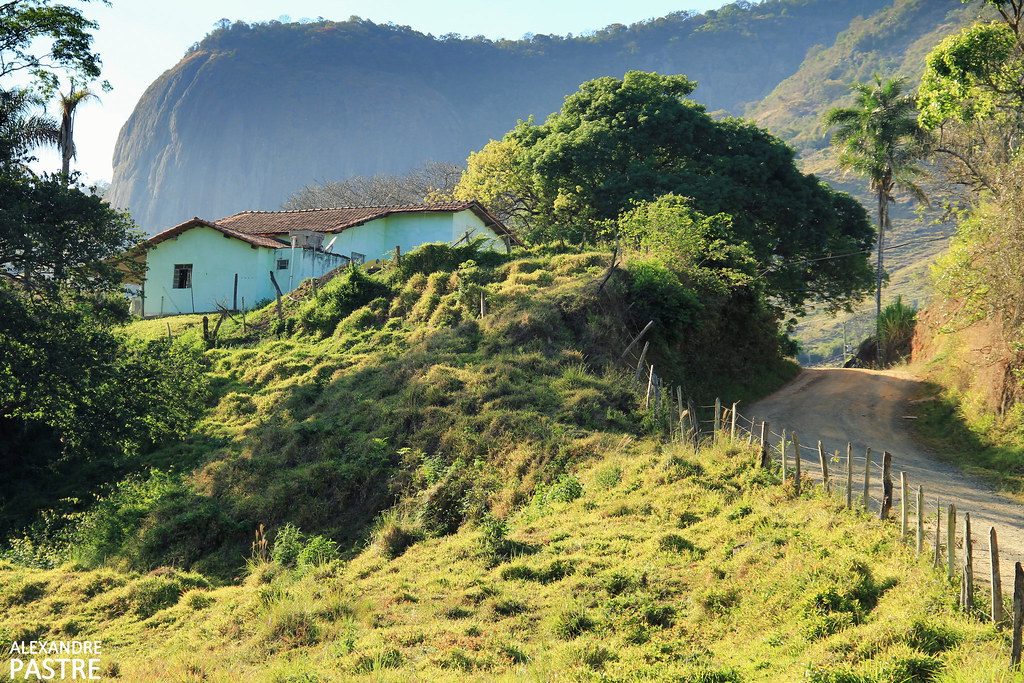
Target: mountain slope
[[255, 112]]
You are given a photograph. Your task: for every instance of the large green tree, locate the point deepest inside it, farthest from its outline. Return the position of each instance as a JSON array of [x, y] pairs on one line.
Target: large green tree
[[972, 96], [879, 139], [44, 38], [617, 142]]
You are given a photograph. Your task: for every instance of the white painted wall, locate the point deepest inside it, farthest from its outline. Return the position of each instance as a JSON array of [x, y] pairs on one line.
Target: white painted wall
[[216, 259], [378, 238]]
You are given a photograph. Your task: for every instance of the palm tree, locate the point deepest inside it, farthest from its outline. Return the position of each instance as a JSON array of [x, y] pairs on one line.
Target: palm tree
[[21, 130], [66, 142], [879, 139]]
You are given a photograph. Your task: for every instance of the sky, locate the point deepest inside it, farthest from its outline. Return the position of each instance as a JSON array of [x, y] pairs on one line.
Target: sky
[[140, 39]]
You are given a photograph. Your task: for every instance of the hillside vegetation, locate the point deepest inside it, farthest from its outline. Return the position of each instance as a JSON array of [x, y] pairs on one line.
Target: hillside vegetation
[[329, 100], [651, 561], [335, 412]]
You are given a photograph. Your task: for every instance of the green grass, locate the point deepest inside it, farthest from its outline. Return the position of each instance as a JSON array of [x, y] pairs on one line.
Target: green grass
[[793, 589]]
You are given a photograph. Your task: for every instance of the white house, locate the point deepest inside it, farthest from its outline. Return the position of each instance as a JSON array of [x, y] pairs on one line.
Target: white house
[[233, 262]]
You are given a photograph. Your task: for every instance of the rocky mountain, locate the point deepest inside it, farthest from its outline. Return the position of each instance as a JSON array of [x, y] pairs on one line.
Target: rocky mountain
[[256, 111]]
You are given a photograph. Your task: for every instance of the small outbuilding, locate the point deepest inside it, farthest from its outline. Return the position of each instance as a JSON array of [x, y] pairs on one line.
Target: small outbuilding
[[234, 262]]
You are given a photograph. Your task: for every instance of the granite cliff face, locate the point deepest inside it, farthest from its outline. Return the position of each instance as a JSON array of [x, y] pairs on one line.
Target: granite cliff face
[[254, 112]]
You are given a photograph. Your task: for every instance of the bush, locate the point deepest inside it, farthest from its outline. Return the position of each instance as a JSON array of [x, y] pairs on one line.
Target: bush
[[572, 622], [338, 299], [494, 536], [316, 551], [393, 535], [661, 296], [287, 546]]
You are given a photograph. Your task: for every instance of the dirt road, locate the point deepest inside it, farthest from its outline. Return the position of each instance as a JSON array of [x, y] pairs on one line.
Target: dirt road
[[868, 409]]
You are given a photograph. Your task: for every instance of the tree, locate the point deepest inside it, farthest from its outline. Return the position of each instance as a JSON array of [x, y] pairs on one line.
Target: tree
[[66, 141], [972, 96], [55, 239], [42, 37], [879, 138], [432, 182], [617, 142], [22, 130]]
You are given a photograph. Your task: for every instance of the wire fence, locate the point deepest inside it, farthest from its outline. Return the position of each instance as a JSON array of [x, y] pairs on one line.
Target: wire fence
[[864, 479]]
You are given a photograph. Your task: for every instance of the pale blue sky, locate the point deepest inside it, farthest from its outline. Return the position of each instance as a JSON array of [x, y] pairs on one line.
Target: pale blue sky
[[140, 39]]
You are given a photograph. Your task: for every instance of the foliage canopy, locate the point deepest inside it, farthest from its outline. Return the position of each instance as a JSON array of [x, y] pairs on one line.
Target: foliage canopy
[[616, 142]]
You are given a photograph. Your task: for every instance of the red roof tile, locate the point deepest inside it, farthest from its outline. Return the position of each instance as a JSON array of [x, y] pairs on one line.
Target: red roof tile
[[336, 220], [252, 239]]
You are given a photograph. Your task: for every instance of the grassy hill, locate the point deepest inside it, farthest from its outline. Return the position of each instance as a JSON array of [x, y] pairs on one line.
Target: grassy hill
[[652, 561], [893, 43], [389, 484]]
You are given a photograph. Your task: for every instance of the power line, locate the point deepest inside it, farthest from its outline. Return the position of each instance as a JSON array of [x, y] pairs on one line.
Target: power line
[[833, 257]]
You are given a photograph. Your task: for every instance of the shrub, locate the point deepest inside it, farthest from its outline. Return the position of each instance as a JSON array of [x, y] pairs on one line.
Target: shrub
[[441, 511], [493, 537], [677, 544], [388, 658], [316, 551], [566, 488], [393, 534], [591, 656], [608, 477], [151, 594], [291, 627], [287, 545], [198, 599], [338, 299], [661, 295], [571, 622]]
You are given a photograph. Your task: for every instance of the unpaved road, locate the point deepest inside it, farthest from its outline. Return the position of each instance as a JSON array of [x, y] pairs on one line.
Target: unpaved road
[[867, 408]]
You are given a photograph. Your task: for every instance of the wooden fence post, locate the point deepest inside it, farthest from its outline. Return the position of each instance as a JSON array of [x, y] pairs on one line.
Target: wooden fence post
[[823, 460], [732, 427], [938, 532], [650, 385], [679, 402], [950, 541], [920, 519], [1018, 614], [694, 422], [903, 506], [796, 464], [277, 291], [765, 452], [849, 476], [886, 485], [718, 418], [968, 565], [640, 364], [782, 454], [997, 580], [635, 340], [867, 480]]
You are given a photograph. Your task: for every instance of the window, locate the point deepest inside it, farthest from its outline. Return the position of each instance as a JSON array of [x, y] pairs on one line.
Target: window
[[183, 276], [358, 258], [282, 264]]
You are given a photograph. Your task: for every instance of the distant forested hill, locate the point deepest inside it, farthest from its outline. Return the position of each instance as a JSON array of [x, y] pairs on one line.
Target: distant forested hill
[[254, 112]]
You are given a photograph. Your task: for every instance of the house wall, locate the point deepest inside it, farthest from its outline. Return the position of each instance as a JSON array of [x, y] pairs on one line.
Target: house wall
[[302, 264], [215, 259], [377, 238]]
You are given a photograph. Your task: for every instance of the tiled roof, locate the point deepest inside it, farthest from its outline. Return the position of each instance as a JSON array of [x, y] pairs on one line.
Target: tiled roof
[[336, 220], [253, 239]]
